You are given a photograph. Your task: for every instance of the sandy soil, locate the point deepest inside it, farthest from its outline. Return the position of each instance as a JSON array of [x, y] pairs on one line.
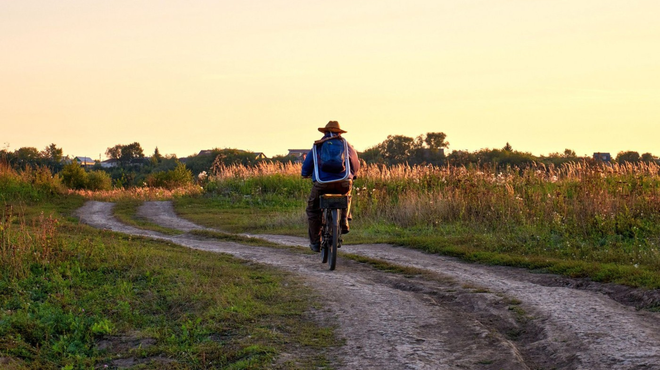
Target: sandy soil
[[464, 316]]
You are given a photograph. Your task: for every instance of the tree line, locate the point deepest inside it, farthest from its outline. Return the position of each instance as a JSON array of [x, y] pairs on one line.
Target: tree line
[[129, 166], [429, 149]]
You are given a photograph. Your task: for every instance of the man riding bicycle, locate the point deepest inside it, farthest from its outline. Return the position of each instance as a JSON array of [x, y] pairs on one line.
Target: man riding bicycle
[[328, 178]]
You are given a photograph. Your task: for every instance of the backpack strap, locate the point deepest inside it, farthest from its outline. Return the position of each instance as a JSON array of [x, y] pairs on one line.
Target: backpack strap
[[332, 136]]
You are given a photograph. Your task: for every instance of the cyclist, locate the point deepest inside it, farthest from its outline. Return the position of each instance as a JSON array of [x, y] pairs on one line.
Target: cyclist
[[327, 183]]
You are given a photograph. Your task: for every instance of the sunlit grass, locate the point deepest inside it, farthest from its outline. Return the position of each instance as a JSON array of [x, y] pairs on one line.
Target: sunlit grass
[[75, 297], [580, 219], [137, 193], [125, 210]]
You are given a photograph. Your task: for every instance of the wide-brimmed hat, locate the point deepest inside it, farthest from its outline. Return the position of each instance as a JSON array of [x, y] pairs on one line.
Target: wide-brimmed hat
[[332, 126]]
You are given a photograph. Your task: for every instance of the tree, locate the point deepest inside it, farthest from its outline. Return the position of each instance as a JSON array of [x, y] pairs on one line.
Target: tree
[[74, 176], [52, 153], [156, 158], [430, 148], [28, 156], [508, 147], [397, 149], [648, 158], [436, 140], [131, 151], [461, 158], [52, 156], [114, 152], [372, 155], [569, 153], [125, 153], [627, 157]]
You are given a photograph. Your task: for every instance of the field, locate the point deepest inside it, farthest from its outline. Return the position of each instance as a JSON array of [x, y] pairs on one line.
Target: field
[[72, 297], [579, 220]]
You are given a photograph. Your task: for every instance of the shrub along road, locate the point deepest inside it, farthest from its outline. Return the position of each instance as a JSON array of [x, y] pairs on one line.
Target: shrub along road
[[440, 313]]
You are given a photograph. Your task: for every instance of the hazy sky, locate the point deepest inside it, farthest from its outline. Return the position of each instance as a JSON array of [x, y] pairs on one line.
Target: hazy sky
[[260, 75]]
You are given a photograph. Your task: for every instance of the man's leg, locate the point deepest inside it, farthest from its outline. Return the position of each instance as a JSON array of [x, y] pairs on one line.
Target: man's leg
[[346, 190], [314, 218]]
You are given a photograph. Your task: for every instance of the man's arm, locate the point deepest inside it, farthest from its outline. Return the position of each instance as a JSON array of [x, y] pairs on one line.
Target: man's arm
[[355, 161], [308, 165]]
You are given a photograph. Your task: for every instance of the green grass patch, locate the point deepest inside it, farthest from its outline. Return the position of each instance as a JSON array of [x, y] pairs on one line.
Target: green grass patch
[[385, 266], [73, 297], [219, 235], [125, 210], [497, 250], [287, 218]]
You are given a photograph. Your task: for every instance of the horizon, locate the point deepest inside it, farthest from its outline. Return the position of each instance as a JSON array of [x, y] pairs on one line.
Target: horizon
[[148, 153], [263, 76]]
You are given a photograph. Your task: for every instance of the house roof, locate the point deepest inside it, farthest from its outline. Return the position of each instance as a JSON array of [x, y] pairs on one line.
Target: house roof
[[84, 159], [298, 151]]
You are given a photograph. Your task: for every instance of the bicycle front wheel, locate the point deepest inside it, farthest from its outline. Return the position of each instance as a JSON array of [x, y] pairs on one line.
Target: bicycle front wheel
[[334, 225]]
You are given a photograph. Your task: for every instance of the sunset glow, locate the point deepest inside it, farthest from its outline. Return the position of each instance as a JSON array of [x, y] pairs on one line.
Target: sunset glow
[[259, 75]]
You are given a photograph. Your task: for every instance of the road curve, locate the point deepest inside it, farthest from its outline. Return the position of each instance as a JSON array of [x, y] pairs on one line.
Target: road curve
[[465, 316]]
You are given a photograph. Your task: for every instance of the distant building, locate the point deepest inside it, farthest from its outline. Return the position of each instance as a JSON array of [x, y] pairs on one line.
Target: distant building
[[84, 161], [300, 154], [259, 156], [603, 157], [110, 163]]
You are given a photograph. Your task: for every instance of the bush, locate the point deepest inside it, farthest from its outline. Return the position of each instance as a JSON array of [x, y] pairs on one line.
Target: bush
[[74, 176], [178, 177], [29, 184], [98, 180]]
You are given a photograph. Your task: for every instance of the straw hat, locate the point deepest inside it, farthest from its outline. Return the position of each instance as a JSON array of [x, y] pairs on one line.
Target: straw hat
[[332, 126]]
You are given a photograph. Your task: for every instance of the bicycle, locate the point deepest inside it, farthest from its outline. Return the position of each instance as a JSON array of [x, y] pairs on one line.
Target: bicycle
[[331, 239]]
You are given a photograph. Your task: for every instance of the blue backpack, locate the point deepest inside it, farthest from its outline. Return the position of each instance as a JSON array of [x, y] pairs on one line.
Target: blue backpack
[[332, 155]]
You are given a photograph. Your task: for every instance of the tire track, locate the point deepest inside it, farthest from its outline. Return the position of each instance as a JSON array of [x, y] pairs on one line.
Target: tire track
[[467, 317]]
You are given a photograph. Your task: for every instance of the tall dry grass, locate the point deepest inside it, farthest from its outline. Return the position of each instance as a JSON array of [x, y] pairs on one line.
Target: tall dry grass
[[601, 208], [135, 193], [24, 246]]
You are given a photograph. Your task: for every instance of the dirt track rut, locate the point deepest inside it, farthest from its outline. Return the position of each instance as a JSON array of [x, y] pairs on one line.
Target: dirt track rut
[[464, 316]]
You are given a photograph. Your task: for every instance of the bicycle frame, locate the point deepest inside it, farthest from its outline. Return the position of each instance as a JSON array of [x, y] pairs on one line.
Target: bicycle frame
[[331, 204]]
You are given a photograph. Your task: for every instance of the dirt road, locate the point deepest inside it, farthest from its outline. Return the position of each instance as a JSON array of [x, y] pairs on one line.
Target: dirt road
[[460, 316]]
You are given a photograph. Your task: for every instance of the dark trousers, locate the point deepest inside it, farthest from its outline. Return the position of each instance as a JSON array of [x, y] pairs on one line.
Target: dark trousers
[[314, 212]]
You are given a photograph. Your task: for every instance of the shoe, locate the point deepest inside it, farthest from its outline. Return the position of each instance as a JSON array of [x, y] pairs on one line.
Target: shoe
[[315, 247], [344, 227]]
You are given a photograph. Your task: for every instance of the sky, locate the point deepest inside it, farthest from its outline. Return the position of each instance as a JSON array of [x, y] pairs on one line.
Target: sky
[[263, 75]]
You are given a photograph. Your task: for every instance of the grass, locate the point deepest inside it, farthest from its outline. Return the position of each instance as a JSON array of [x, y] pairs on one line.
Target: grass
[[386, 266], [73, 297], [218, 235], [125, 210], [578, 220], [244, 217]]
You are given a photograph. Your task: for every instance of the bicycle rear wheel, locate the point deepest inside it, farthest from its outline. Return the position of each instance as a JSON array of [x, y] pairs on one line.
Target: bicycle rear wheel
[[325, 237], [334, 227]]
